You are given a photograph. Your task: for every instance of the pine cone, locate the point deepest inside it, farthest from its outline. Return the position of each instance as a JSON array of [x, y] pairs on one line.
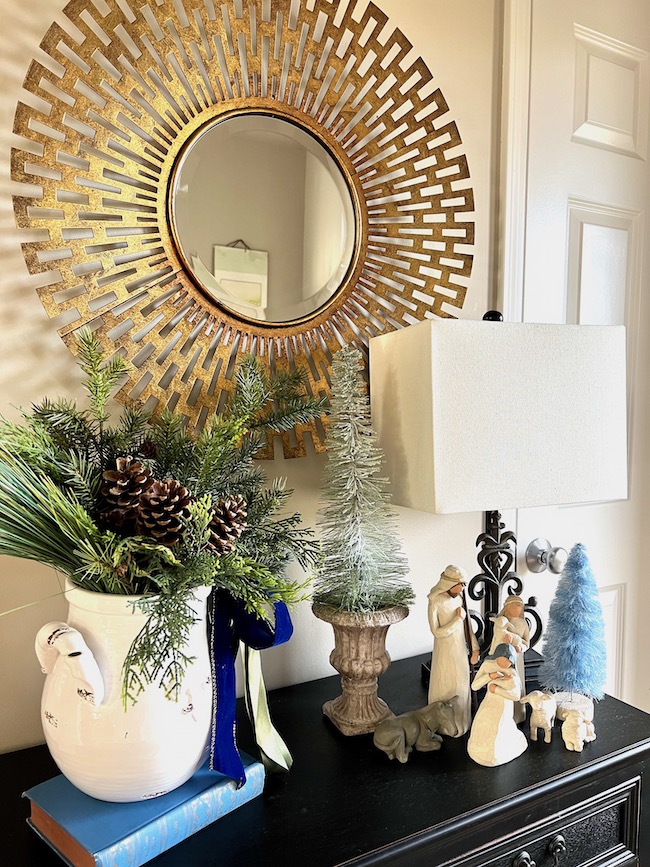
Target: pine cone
[[227, 524], [148, 448], [161, 510], [121, 490]]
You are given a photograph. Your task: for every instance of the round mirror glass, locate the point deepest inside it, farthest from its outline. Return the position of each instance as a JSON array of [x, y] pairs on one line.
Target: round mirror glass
[[263, 217]]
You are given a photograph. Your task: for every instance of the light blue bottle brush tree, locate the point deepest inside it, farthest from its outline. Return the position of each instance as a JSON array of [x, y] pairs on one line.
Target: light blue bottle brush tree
[[575, 656]]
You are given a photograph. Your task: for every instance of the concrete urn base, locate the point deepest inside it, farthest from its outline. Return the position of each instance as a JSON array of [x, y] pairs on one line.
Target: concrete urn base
[[360, 657]]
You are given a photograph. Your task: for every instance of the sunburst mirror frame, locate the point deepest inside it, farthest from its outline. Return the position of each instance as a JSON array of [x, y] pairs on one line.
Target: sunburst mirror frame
[[113, 103]]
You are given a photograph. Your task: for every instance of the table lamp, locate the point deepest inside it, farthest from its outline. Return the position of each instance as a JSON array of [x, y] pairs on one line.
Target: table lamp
[[486, 415]]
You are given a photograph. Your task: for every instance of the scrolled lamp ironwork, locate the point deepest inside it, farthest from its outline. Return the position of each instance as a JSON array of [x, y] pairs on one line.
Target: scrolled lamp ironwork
[[497, 555]]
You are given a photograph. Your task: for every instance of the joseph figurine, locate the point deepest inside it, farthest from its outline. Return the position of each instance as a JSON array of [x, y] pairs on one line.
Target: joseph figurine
[[450, 665]]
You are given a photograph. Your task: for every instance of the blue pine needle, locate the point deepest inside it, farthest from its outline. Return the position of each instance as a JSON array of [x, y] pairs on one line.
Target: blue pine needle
[[575, 656]]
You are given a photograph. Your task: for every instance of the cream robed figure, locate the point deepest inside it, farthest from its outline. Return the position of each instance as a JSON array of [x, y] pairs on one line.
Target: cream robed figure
[[511, 627], [450, 662], [495, 738]]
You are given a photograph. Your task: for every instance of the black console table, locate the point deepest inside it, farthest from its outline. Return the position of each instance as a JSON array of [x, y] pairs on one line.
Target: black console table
[[344, 802]]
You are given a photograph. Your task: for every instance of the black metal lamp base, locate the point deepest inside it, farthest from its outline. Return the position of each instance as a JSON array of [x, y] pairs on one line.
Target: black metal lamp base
[[497, 556]]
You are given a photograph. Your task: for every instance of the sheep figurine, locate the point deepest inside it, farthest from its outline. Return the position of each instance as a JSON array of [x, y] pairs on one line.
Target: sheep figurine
[[508, 636], [576, 731], [544, 708]]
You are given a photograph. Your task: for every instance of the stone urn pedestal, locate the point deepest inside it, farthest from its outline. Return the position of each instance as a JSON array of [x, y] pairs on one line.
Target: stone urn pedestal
[[359, 656]]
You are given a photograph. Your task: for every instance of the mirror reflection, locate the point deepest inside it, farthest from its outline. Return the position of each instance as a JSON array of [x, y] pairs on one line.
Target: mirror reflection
[[263, 217]]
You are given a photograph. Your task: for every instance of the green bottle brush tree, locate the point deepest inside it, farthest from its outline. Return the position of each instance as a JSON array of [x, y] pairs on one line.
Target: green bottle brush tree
[[362, 566]]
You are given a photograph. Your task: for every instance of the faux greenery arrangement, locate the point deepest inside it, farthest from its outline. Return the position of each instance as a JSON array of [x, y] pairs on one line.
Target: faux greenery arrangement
[[146, 507], [362, 567]]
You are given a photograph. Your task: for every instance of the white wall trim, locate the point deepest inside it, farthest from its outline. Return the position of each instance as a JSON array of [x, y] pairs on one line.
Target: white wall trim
[[612, 600], [513, 161]]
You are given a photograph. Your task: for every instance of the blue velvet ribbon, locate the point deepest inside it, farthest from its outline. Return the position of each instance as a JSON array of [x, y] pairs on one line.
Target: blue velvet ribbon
[[231, 623]]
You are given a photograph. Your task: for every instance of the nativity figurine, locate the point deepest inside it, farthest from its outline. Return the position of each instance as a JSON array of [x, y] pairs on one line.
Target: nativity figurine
[[455, 647], [494, 738], [511, 627], [419, 729]]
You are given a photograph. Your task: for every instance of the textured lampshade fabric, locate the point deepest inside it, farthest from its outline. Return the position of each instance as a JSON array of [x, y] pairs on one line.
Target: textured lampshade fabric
[[474, 415]]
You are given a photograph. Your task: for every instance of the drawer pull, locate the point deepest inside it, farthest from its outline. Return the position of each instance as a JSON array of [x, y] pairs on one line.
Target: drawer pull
[[523, 860], [557, 848]]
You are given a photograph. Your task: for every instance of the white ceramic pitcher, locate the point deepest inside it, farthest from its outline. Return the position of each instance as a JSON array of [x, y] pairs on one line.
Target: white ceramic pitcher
[[108, 752]]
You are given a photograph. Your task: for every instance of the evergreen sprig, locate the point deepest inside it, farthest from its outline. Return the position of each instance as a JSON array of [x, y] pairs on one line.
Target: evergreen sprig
[[130, 565], [39, 521], [102, 375], [69, 428], [255, 585], [157, 654], [276, 403]]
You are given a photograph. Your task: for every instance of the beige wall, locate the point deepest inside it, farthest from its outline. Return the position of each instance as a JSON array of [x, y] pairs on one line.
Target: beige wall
[[457, 42], [32, 365]]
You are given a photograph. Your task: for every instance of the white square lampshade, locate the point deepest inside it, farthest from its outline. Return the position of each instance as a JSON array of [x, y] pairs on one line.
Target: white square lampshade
[[475, 416]]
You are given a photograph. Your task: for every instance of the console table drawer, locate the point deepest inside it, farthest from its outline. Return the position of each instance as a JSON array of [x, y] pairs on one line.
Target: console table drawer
[[599, 832]]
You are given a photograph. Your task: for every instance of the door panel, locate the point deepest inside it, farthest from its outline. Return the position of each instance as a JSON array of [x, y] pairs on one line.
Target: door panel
[[611, 93], [586, 247]]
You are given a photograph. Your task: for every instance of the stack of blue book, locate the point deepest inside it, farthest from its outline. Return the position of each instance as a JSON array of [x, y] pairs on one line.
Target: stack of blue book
[[86, 832]]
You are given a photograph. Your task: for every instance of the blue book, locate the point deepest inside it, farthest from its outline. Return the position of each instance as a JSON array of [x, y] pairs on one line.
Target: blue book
[[86, 832]]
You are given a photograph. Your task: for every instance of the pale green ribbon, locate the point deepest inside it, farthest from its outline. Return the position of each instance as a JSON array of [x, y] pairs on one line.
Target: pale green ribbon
[[275, 754]]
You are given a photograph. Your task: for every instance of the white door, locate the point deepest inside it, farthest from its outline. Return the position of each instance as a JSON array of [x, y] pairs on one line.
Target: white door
[[576, 241]]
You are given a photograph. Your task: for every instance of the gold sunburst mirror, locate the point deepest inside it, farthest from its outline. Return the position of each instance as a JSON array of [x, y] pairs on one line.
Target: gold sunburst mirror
[[278, 177]]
